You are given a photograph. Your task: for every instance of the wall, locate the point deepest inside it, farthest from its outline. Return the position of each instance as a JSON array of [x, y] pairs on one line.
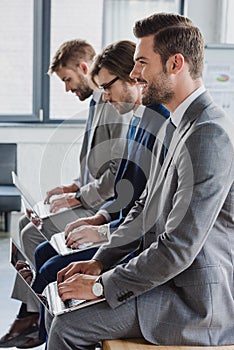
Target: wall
[[47, 156]]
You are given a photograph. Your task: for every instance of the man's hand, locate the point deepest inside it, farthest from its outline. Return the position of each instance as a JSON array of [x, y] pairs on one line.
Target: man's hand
[[25, 271], [91, 267], [32, 217], [29, 213], [78, 286], [60, 190], [96, 220], [83, 234], [67, 201]]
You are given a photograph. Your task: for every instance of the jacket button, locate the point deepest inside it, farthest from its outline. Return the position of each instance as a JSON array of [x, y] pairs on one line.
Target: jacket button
[[121, 298]]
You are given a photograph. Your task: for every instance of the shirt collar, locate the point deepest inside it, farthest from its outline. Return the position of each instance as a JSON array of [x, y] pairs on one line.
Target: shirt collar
[[96, 95], [139, 111], [180, 110]]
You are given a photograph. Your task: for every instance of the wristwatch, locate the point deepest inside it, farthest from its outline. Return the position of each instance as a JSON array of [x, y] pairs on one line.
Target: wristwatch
[[78, 195], [97, 288], [102, 231]]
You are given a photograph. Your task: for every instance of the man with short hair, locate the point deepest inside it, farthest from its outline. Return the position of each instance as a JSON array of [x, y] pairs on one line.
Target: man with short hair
[[101, 151], [116, 60], [170, 292]]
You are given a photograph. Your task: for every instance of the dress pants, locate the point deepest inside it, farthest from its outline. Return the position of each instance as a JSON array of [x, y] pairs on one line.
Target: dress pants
[[48, 263], [83, 328], [30, 237]]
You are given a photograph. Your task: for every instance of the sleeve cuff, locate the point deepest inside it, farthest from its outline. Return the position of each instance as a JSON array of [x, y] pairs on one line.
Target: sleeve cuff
[[104, 213]]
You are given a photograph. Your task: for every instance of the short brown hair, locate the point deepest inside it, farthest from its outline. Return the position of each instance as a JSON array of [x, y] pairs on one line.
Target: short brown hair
[[173, 34], [186, 40], [117, 58], [70, 53], [150, 25]]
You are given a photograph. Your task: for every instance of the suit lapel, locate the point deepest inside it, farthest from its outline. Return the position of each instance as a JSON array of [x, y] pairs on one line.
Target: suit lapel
[[158, 172]]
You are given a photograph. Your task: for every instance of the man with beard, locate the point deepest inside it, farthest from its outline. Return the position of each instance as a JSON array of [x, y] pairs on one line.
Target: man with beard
[[116, 60], [170, 292], [101, 151]]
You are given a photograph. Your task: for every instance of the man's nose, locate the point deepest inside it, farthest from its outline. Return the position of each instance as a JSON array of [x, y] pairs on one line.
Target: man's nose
[[136, 72], [67, 87]]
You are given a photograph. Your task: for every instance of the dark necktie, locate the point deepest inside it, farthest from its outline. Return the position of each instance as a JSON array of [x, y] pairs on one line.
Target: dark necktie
[[130, 139], [89, 127], [168, 137], [90, 119]]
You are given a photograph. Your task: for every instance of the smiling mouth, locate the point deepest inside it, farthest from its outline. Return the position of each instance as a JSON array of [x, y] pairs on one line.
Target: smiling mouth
[[144, 87]]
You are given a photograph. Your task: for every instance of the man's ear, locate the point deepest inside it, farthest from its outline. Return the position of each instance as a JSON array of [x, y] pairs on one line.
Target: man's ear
[[84, 67], [176, 63]]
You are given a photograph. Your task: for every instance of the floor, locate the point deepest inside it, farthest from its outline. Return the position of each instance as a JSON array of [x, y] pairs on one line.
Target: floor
[[8, 306]]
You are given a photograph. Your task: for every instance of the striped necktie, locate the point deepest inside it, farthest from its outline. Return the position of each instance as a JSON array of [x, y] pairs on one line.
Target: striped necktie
[[132, 132]]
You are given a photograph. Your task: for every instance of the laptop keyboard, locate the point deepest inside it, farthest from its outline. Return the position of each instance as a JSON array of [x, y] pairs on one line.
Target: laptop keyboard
[[57, 301], [58, 241]]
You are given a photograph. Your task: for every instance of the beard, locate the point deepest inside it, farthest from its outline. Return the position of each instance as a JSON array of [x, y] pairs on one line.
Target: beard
[[84, 90], [160, 92], [126, 101]]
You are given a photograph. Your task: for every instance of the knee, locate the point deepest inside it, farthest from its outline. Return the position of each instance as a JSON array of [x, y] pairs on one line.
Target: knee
[[43, 252], [39, 255], [48, 272], [26, 233], [23, 221]]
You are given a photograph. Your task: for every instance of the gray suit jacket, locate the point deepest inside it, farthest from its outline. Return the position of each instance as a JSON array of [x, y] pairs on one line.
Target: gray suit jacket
[[183, 279], [102, 155]]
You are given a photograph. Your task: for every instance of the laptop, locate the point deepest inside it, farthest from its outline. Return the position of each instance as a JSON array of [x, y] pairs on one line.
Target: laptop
[[58, 242], [41, 209], [49, 298]]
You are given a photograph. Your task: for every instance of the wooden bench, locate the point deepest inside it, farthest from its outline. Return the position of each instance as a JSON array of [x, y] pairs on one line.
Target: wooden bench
[[140, 344]]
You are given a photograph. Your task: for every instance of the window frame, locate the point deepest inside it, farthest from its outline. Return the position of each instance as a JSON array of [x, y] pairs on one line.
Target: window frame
[[41, 60]]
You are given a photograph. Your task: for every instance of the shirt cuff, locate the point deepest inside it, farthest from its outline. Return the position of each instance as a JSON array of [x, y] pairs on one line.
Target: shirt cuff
[[104, 213], [77, 182]]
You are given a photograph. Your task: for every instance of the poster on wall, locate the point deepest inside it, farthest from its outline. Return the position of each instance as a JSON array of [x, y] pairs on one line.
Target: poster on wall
[[219, 75]]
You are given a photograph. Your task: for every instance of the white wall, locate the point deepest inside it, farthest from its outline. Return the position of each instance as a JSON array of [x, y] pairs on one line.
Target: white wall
[[47, 156]]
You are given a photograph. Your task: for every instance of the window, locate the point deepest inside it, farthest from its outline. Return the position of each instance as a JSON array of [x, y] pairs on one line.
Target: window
[[78, 19], [120, 16], [31, 32], [16, 45], [230, 23]]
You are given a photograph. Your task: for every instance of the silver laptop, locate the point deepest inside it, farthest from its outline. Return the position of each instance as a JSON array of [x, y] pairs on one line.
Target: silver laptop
[[49, 298], [41, 209], [59, 244]]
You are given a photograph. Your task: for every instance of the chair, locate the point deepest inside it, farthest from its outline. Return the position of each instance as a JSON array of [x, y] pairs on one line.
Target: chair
[[140, 344], [10, 199]]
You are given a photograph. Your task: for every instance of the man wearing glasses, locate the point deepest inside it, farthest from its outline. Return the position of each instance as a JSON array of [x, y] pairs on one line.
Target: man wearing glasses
[[101, 151]]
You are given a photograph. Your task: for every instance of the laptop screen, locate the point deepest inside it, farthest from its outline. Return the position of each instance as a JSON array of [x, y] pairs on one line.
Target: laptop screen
[[25, 270], [26, 196]]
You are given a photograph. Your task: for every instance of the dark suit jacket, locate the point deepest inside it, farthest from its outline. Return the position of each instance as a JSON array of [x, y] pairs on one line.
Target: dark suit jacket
[[133, 171], [102, 155]]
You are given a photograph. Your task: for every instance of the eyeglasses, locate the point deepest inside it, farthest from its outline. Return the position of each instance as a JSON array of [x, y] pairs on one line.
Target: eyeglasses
[[108, 85]]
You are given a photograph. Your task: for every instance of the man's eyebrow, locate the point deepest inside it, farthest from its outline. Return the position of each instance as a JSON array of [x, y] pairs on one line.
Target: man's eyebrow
[[140, 58]]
